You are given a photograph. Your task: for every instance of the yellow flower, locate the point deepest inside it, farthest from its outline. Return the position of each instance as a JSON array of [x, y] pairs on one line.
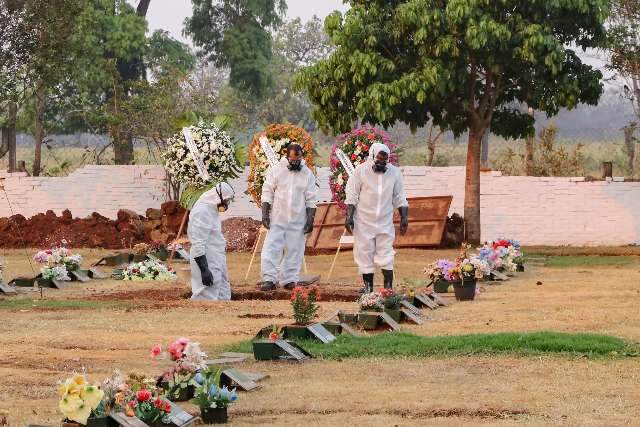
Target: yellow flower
[[69, 405], [81, 415], [92, 396], [72, 385]]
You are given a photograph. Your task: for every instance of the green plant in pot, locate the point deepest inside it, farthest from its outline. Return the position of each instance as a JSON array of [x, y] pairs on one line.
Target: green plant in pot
[[435, 275], [149, 409], [305, 308], [369, 302], [391, 303], [212, 399]]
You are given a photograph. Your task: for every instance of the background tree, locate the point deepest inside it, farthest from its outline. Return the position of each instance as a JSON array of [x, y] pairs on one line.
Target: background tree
[[624, 61], [234, 34], [463, 64]]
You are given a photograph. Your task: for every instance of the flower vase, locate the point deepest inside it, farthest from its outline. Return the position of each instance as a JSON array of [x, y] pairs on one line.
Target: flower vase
[[441, 286], [214, 415], [394, 313], [348, 318], [520, 268], [368, 320], [465, 290], [98, 422], [181, 394]]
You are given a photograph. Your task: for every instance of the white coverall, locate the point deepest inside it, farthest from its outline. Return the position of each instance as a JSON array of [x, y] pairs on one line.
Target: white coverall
[[290, 194], [376, 196], [205, 235]]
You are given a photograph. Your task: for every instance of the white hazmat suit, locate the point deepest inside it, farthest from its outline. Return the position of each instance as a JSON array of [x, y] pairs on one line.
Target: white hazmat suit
[[376, 196], [205, 234], [290, 193]]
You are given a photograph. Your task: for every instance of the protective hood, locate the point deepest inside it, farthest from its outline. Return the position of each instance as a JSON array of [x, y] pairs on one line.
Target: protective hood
[[284, 161], [377, 148], [212, 197]]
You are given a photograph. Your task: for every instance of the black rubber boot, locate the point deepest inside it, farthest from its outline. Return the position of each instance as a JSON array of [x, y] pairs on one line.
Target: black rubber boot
[[290, 286], [388, 279], [368, 283], [268, 286]]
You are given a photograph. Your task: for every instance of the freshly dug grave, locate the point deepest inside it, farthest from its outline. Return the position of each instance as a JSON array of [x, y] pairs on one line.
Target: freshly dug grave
[[96, 231]]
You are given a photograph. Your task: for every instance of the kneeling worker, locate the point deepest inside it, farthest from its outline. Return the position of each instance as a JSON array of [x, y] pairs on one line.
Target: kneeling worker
[[209, 277], [373, 192], [289, 198]]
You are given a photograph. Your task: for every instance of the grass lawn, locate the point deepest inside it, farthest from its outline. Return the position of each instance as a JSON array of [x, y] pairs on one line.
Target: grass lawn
[[591, 261], [396, 345]]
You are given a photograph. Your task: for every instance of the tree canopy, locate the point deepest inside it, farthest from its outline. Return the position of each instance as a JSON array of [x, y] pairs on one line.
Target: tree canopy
[[463, 64], [235, 34]]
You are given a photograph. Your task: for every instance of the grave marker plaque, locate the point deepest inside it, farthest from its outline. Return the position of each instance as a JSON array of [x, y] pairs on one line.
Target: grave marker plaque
[[94, 273], [80, 276], [426, 301], [389, 321], [232, 376], [320, 332], [415, 310], [437, 299], [499, 276], [411, 316], [124, 421], [7, 289], [153, 258], [232, 355], [59, 284], [255, 377], [178, 416], [291, 352]]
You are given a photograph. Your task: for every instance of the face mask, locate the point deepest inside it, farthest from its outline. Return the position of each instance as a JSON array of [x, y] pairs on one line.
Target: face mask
[[295, 165], [380, 166], [223, 206]]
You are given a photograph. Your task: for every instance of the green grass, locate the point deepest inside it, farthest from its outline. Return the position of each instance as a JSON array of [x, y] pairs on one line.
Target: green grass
[[587, 261], [398, 345], [44, 304]]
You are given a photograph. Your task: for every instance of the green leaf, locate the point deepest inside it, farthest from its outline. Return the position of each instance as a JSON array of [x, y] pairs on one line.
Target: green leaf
[[190, 195]]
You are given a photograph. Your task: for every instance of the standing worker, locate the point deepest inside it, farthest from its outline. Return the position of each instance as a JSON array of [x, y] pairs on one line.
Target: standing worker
[[373, 192], [209, 277], [289, 198]]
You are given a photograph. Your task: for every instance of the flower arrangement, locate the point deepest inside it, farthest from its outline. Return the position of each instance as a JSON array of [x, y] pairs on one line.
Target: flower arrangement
[[355, 144], [439, 270], [58, 262], [79, 399], [209, 394], [188, 358], [280, 136], [502, 255], [148, 270], [148, 248], [390, 299], [303, 302], [371, 301], [149, 408], [221, 157]]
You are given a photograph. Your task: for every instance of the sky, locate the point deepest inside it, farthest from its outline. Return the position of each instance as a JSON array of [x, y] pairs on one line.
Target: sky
[[169, 15]]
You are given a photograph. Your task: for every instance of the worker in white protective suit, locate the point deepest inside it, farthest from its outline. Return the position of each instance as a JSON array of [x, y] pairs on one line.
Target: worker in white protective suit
[[373, 192], [209, 277], [289, 198]]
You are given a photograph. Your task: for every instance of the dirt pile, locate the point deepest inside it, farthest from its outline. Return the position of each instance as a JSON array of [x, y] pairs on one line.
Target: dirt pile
[[96, 231]]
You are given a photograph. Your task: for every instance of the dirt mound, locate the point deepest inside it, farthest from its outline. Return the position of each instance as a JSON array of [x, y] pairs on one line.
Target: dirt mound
[[96, 231]]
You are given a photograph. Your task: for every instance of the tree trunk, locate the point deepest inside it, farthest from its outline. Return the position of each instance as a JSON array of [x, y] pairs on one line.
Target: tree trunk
[[39, 128], [529, 153], [122, 148], [630, 148], [484, 149], [13, 116], [472, 187], [431, 152]]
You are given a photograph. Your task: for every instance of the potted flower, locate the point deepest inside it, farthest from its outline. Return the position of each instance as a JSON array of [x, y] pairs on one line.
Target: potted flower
[[212, 399], [465, 286], [58, 263], [147, 271], [305, 307], [81, 403], [435, 272], [370, 302], [150, 409], [391, 303], [189, 359]]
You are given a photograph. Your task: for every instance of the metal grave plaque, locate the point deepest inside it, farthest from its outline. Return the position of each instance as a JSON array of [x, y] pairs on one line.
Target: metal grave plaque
[[234, 377], [320, 332]]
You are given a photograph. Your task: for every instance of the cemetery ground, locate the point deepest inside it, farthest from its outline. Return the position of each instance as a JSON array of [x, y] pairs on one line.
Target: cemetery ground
[[110, 324]]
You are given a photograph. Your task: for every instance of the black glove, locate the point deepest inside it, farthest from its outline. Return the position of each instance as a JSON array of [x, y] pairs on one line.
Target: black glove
[[207, 277], [404, 219], [349, 223], [266, 214], [311, 215]]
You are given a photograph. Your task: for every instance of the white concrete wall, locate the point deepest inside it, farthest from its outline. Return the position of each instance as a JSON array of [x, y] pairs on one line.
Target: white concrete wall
[[541, 211]]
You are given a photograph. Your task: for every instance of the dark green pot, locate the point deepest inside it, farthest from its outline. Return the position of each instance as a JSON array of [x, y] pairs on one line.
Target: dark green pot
[[368, 321], [98, 422], [296, 332], [138, 258], [333, 327], [181, 394], [214, 415], [348, 318], [520, 268], [441, 286], [465, 291], [394, 313], [264, 350]]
